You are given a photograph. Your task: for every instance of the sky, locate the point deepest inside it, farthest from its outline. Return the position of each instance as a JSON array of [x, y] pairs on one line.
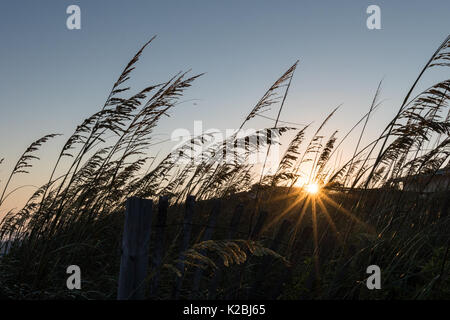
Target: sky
[[52, 77]]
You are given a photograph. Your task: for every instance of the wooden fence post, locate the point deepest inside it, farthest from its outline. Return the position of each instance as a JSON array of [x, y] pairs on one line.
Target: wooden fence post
[[135, 242], [235, 219], [253, 236], [297, 250], [159, 244], [187, 228], [206, 236], [282, 230], [256, 232]]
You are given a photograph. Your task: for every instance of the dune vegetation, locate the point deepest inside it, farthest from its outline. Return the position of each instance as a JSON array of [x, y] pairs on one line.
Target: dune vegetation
[[324, 223]]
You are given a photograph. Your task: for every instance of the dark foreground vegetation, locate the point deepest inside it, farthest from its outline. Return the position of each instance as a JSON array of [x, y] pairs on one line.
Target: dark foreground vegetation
[[313, 244]]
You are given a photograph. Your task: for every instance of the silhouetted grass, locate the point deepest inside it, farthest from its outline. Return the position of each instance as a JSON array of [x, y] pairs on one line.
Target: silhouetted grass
[[363, 214]]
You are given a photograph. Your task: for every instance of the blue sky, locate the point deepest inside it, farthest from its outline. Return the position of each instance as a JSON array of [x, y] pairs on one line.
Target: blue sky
[[52, 77]]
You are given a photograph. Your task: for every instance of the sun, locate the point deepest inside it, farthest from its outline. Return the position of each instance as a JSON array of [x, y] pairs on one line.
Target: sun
[[312, 188]]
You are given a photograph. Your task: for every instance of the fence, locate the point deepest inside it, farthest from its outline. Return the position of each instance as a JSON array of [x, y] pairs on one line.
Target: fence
[[137, 233]]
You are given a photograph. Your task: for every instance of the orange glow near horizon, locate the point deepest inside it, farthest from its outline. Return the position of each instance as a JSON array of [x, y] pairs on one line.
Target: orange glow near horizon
[[314, 200], [312, 188]]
